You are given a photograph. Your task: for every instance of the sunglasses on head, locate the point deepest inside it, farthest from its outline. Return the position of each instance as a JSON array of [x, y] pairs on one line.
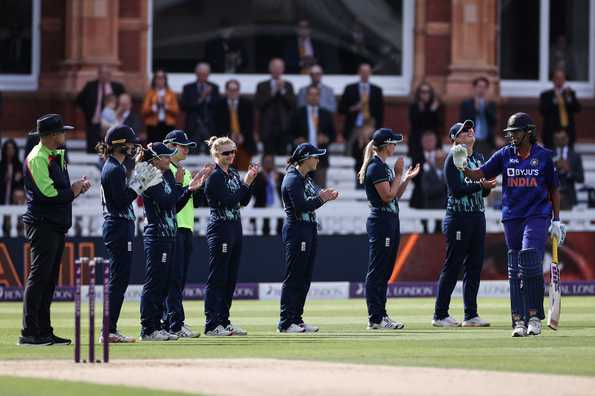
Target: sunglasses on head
[[226, 153]]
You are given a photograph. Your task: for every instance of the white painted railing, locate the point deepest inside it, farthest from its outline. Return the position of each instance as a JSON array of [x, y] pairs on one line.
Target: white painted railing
[[334, 218]]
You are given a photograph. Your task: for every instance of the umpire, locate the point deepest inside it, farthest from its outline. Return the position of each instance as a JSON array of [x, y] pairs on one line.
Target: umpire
[[48, 218], [465, 227]]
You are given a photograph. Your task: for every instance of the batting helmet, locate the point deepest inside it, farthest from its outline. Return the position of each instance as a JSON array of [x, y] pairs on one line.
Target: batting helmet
[[520, 122]]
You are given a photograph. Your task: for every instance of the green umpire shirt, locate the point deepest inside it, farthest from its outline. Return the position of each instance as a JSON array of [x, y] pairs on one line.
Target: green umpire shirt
[[185, 216]]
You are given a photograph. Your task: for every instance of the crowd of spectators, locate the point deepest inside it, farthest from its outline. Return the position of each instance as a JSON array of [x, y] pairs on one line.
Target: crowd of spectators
[[279, 117]]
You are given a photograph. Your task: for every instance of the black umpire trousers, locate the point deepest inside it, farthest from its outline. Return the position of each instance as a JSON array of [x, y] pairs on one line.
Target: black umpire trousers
[[47, 246]]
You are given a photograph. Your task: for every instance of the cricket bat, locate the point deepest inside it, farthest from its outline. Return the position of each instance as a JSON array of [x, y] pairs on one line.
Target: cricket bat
[[553, 313]]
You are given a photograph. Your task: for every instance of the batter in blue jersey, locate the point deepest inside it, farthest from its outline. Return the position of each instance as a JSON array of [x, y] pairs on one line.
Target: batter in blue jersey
[[530, 204]]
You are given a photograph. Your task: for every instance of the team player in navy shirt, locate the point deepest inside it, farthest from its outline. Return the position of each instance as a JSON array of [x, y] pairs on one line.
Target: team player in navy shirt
[[226, 193], [464, 227], [117, 196], [384, 186], [301, 197], [161, 204], [530, 204]]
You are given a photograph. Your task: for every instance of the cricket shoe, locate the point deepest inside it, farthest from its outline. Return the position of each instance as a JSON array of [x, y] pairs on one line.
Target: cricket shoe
[[476, 322], [520, 330], [65, 341], [386, 324], [236, 330], [534, 327], [218, 331], [34, 341], [186, 332], [157, 335], [449, 321], [293, 328], [170, 336], [117, 338], [309, 328]]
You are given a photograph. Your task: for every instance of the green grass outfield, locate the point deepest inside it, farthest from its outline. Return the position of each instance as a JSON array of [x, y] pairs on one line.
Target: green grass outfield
[[343, 337]]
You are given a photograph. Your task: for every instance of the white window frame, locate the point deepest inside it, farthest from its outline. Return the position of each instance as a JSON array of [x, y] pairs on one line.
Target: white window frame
[[27, 82], [391, 85], [532, 88]]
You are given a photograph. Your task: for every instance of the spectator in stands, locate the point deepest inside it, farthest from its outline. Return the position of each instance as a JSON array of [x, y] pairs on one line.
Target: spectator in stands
[[360, 101], [313, 124], [359, 141], [126, 115], [327, 96], [570, 169], [18, 198], [425, 114], [11, 172], [482, 112], [108, 114], [234, 117], [302, 51], [91, 100], [430, 185], [198, 101], [226, 52], [267, 190], [160, 108], [557, 107], [1, 123], [275, 101]]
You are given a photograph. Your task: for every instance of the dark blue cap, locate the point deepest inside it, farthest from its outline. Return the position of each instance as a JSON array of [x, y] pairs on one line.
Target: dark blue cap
[[305, 151], [120, 134], [519, 121], [179, 137], [157, 150], [50, 123], [459, 127], [384, 136]]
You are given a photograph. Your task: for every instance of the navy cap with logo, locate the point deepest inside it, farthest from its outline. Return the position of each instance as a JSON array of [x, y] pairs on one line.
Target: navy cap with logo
[[385, 136], [460, 127], [50, 123], [120, 134], [305, 151], [519, 121], [179, 137], [157, 150]]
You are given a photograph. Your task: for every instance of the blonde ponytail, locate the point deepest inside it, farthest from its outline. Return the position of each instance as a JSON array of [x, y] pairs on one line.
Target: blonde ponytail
[[215, 143], [368, 153]]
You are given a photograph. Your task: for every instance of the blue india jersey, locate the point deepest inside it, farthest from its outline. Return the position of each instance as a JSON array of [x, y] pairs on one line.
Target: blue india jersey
[[526, 182]]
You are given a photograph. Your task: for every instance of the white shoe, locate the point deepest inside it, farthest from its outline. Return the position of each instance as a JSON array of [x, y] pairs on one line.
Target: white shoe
[[386, 324], [449, 321], [218, 331], [520, 330], [115, 338], [292, 329], [170, 336], [309, 328], [157, 335], [534, 327], [476, 322], [186, 332], [236, 330]]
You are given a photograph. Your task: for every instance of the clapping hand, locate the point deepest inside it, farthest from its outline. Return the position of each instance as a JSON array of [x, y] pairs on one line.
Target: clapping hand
[[398, 168], [200, 177], [412, 172], [328, 194], [253, 170]]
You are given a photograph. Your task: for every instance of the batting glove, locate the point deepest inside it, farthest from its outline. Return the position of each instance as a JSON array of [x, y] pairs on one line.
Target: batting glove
[[558, 230]]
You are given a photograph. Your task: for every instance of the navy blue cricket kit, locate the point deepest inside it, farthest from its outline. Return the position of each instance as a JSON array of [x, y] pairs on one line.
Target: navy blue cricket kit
[[383, 238], [118, 232], [225, 193], [300, 238], [160, 202], [464, 227]]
